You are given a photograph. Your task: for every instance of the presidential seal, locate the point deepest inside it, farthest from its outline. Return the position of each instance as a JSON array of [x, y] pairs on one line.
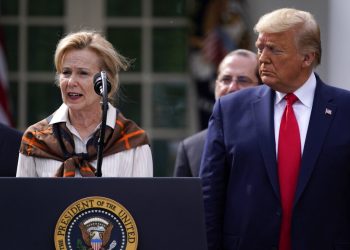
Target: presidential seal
[[96, 223]]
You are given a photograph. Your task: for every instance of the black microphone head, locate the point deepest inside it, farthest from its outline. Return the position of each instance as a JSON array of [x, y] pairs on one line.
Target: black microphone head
[[98, 84]]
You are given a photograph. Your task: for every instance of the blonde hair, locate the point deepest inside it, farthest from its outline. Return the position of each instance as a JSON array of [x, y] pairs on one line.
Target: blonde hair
[[308, 37], [111, 61]]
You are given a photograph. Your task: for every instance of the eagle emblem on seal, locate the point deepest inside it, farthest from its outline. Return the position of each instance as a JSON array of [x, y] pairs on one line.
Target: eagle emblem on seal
[[96, 233]]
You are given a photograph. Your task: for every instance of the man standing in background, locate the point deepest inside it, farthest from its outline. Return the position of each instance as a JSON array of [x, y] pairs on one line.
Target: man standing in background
[[238, 70]]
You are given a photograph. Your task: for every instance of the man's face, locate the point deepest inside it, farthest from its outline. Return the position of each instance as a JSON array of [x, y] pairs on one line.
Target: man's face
[[236, 72], [281, 66]]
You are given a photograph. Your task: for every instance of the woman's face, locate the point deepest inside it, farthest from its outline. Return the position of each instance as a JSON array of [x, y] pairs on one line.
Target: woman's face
[[76, 80]]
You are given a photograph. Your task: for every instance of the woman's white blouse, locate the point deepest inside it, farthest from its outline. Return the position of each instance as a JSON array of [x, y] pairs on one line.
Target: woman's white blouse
[[135, 162]]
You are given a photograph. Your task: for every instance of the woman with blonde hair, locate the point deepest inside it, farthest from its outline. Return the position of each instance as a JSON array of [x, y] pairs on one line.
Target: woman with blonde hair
[[65, 143]]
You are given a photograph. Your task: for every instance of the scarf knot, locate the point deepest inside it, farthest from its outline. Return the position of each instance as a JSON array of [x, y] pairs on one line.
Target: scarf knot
[[76, 162]]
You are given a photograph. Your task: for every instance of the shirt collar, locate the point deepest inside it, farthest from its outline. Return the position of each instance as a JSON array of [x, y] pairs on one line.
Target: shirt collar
[[61, 115], [305, 93]]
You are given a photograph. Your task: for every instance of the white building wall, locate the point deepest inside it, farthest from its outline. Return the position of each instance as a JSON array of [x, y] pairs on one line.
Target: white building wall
[[339, 39]]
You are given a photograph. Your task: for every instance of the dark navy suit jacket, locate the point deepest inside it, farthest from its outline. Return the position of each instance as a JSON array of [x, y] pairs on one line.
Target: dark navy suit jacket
[[240, 179], [189, 154], [10, 140]]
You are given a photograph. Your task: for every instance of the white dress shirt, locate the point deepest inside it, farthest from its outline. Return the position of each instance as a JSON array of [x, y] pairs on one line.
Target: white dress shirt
[[302, 109], [135, 162]]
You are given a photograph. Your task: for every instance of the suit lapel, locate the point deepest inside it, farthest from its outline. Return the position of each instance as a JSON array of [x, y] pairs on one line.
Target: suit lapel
[[322, 114], [264, 122], [321, 117]]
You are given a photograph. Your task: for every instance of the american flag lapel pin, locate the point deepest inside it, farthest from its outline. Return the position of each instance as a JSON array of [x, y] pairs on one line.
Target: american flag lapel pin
[[328, 111]]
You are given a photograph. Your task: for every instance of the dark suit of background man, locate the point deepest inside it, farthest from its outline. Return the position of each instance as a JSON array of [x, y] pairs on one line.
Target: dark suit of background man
[[10, 140], [238, 70], [242, 175]]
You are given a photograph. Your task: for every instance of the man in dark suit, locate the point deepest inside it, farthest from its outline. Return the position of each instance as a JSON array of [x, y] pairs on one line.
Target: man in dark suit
[[10, 140], [252, 200], [238, 70]]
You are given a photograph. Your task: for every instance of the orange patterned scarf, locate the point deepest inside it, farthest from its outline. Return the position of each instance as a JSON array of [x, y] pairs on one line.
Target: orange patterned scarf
[[55, 141]]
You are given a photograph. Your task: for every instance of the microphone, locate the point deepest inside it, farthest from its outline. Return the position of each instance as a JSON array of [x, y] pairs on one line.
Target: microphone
[[102, 87], [99, 78]]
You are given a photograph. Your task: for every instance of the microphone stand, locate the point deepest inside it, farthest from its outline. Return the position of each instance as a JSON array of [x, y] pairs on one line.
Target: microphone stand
[[101, 138]]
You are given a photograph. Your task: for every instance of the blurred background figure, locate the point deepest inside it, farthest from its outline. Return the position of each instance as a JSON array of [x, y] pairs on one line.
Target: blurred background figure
[[219, 27], [238, 70]]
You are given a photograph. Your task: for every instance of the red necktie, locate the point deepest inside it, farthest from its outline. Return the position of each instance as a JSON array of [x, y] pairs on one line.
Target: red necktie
[[289, 155]]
